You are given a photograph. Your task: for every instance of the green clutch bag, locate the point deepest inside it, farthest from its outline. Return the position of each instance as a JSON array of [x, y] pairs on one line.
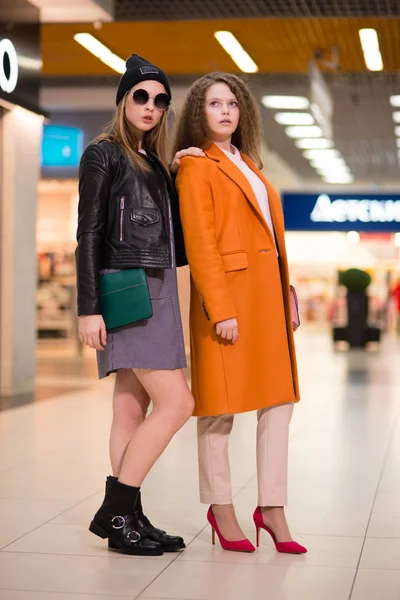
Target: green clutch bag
[[124, 298]]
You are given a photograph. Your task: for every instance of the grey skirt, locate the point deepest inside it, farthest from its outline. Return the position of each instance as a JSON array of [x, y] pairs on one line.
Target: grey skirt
[[156, 343]]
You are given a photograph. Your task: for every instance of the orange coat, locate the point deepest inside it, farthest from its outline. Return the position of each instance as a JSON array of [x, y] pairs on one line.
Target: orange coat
[[235, 272]]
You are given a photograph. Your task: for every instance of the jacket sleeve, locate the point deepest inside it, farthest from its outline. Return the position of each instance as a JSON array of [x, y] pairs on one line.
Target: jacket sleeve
[[94, 190], [206, 265]]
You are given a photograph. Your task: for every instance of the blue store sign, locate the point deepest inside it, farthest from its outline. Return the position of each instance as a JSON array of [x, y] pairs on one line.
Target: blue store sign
[[61, 146], [341, 212]]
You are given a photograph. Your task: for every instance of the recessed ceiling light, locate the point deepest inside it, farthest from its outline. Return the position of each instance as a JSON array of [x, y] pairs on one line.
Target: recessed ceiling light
[[395, 100], [346, 178], [397, 130], [334, 174], [396, 116], [317, 143], [333, 168], [101, 51], [299, 118], [304, 131], [236, 51], [370, 46], [321, 162], [316, 154], [286, 102]]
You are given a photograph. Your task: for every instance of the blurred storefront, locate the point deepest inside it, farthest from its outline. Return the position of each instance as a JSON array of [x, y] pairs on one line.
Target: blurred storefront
[[21, 121], [331, 232], [63, 141]]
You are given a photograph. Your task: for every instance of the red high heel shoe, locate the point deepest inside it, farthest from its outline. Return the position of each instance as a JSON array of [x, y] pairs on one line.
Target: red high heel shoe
[[285, 547], [241, 546]]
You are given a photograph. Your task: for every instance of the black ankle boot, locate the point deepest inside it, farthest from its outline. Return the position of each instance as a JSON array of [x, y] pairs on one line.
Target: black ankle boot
[[169, 543], [117, 521]]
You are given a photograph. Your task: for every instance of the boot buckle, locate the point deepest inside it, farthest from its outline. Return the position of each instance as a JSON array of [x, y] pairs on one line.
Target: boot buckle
[[120, 520], [136, 535]]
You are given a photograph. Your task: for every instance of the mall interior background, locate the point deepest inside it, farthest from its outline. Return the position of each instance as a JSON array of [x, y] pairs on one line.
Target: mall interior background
[[331, 146], [65, 97]]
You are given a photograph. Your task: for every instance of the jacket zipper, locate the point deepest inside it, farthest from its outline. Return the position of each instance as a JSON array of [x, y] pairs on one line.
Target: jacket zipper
[[121, 218]]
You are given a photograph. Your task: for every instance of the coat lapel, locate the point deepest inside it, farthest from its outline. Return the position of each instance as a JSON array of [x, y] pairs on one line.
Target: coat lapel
[[233, 172]]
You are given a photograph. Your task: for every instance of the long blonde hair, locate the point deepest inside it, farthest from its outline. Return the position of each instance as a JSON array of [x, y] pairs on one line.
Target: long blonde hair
[[192, 128], [121, 132]]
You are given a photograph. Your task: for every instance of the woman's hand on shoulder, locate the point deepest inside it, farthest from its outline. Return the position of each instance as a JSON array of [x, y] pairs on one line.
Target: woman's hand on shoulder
[[228, 330], [196, 152], [92, 331]]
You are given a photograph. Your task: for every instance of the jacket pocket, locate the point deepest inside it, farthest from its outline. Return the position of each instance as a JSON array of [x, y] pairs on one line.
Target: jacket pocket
[[235, 261], [145, 216]]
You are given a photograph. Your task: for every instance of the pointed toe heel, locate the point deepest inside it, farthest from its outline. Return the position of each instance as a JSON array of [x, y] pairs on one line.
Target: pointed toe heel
[[283, 547], [239, 546]]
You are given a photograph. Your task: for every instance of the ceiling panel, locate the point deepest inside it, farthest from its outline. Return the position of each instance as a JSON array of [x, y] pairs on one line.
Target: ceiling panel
[[363, 127], [276, 45], [173, 10]]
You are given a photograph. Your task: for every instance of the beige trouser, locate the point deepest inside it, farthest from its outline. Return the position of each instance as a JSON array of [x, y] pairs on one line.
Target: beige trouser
[[272, 456]]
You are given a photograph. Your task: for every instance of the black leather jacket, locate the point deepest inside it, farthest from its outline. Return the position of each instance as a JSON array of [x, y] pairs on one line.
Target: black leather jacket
[[124, 219]]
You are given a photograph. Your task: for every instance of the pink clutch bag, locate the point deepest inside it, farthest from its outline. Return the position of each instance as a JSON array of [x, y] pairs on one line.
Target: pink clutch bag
[[294, 305]]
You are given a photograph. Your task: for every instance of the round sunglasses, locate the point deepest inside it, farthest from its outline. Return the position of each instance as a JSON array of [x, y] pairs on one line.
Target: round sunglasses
[[141, 98]]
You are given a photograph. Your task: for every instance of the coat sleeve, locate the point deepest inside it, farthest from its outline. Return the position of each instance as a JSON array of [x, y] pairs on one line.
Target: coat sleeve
[[198, 222], [94, 189]]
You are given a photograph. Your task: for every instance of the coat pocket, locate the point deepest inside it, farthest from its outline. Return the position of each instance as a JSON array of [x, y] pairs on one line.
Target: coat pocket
[[235, 261], [145, 216]]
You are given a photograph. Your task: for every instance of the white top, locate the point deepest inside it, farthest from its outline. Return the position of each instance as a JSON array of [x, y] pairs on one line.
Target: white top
[[259, 189]]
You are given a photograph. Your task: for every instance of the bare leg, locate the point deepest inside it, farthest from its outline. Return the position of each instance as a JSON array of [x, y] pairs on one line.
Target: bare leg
[[227, 522], [173, 405], [130, 405], [274, 517]]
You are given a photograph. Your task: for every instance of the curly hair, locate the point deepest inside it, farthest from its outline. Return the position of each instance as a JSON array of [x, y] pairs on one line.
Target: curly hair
[[192, 128], [121, 132]]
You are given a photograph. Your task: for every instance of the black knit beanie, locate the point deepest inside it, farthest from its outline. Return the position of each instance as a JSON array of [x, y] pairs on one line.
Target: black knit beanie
[[139, 69]]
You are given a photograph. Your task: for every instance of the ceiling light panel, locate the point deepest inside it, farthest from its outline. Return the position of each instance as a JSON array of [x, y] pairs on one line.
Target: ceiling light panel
[[314, 144], [293, 118], [236, 51], [370, 46], [318, 163], [302, 131], [334, 171], [317, 154], [286, 102], [100, 51], [339, 179], [395, 101]]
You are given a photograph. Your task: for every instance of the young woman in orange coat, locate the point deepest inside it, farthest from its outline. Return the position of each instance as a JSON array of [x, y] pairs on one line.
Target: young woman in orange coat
[[243, 355]]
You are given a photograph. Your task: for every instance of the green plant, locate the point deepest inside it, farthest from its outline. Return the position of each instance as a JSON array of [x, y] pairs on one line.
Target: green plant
[[355, 280]]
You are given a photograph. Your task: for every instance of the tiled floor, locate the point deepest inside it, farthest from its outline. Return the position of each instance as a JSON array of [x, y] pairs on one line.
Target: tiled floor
[[344, 493]]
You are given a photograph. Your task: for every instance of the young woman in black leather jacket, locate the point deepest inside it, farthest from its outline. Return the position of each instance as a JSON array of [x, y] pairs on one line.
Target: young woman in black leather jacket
[[129, 217]]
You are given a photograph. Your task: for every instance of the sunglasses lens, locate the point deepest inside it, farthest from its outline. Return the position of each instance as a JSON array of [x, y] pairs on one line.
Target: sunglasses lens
[[161, 101], [140, 97]]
